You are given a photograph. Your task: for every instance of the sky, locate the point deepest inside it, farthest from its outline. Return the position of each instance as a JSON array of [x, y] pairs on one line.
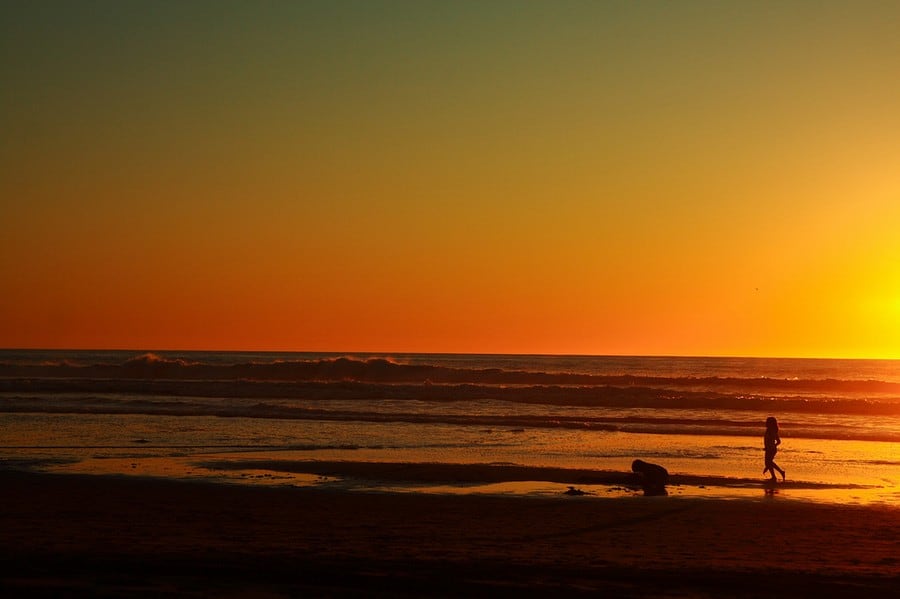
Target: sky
[[665, 178]]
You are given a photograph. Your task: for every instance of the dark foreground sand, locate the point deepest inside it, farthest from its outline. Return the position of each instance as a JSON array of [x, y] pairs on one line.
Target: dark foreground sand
[[68, 535]]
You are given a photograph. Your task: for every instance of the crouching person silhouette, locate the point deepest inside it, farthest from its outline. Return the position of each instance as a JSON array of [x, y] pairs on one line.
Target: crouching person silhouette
[[652, 477]]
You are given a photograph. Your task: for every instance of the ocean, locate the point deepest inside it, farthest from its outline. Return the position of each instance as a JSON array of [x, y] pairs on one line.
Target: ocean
[[263, 418]]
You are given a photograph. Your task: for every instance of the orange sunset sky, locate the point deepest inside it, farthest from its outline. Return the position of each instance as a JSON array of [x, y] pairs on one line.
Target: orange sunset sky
[[679, 178]]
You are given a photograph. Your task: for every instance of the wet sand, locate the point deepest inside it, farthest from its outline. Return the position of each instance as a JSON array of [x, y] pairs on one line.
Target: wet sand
[[78, 535]]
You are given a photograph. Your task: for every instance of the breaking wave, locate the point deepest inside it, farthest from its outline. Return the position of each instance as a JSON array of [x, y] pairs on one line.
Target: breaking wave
[[454, 391], [151, 366], [553, 395]]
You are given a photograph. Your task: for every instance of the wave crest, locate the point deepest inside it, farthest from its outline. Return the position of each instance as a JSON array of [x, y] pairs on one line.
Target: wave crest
[[151, 366]]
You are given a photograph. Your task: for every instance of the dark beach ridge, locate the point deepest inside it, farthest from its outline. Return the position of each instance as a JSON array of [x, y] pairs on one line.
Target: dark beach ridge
[[78, 535]]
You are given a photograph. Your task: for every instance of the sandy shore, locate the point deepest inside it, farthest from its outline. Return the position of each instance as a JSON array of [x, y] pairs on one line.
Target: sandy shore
[[80, 535]]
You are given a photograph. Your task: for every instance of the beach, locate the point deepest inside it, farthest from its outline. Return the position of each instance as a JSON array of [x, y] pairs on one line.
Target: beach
[[81, 535], [283, 475]]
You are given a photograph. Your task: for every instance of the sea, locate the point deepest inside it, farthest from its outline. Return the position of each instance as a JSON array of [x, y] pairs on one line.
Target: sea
[[262, 418]]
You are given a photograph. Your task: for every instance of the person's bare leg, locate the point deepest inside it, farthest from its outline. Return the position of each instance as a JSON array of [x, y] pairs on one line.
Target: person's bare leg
[[779, 469]]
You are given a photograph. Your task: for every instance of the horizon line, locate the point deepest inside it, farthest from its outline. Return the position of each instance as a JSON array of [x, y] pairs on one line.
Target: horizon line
[[441, 353]]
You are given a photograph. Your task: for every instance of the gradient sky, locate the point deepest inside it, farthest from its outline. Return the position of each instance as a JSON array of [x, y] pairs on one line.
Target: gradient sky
[[677, 178]]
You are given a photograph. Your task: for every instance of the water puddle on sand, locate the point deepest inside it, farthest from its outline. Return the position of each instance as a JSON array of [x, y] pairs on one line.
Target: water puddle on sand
[[185, 468], [188, 468]]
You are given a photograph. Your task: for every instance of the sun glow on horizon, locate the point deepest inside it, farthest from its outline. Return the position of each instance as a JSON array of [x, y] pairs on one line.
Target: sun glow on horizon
[[642, 179]]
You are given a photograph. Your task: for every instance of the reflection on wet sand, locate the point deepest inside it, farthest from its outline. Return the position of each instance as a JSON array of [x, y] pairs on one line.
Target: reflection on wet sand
[[458, 479]]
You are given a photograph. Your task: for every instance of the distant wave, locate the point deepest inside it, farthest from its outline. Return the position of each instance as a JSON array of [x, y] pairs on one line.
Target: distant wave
[[607, 421], [151, 367], [551, 395]]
